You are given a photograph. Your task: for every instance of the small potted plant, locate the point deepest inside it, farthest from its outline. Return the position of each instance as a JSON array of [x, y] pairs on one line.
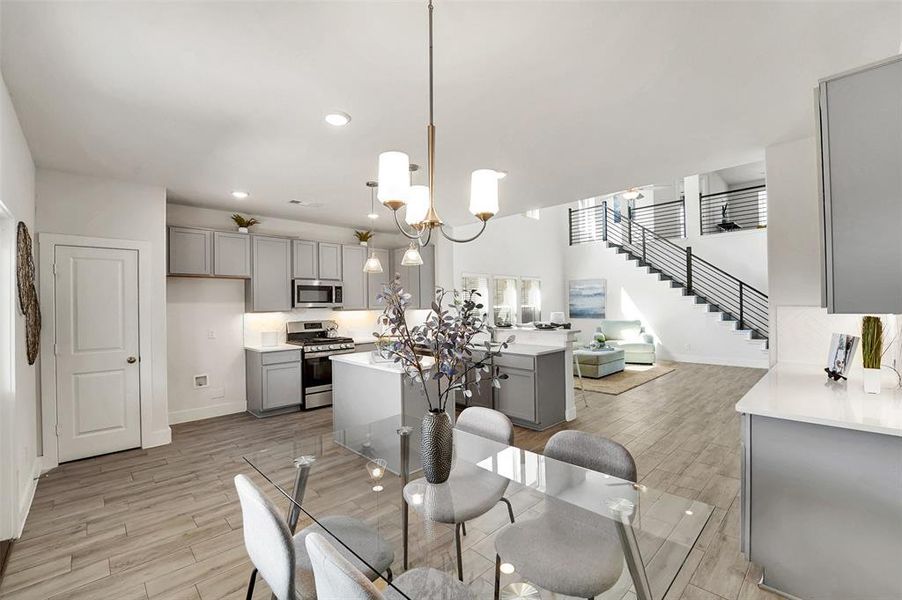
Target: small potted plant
[[871, 352], [363, 236], [244, 223]]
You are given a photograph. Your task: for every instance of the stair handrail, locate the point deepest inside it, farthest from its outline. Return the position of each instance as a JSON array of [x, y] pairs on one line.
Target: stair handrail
[[758, 313]]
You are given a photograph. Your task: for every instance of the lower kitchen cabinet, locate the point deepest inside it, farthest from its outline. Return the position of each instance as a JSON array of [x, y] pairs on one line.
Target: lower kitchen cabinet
[[274, 382], [534, 393]]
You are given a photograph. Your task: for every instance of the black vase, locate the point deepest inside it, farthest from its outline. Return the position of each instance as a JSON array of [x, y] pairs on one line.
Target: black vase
[[437, 446]]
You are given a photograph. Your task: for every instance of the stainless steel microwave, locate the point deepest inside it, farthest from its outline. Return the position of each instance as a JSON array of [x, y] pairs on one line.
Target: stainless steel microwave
[[315, 293]]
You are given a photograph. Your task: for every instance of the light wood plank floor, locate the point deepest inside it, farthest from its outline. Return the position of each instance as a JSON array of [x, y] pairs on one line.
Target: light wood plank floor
[[165, 522]]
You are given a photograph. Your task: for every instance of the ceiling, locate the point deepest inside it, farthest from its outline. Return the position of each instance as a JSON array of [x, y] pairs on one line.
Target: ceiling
[[572, 99]]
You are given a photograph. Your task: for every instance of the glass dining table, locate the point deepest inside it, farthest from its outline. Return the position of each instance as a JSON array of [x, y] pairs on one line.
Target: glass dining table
[[360, 472]]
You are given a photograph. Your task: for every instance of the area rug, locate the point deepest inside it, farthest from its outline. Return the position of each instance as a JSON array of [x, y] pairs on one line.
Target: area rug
[[632, 377]]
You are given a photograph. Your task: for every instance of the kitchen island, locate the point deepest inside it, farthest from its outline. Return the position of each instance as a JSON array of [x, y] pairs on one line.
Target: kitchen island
[[822, 485]]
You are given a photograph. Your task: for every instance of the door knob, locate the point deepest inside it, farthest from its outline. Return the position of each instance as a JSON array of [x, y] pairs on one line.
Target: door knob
[[130, 359]]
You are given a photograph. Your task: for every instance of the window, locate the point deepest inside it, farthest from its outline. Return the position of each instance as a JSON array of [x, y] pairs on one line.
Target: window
[[530, 299], [480, 283], [504, 300]]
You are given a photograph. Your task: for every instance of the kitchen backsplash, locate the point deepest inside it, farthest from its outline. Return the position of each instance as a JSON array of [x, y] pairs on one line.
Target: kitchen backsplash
[[357, 324]]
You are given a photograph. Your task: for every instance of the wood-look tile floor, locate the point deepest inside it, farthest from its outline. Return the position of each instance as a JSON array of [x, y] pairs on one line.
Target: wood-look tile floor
[[165, 522]]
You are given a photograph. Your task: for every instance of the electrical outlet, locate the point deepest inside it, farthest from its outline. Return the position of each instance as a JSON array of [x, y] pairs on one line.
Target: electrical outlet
[[211, 334]]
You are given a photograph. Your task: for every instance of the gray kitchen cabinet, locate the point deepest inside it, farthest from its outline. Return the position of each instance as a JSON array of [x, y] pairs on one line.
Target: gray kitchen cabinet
[[190, 251], [410, 277], [861, 189], [329, 261], [517, 396], [376, 281], [354, 281], [304, 265], [427, 276], [270, 287], [274, 382], [231, 254]]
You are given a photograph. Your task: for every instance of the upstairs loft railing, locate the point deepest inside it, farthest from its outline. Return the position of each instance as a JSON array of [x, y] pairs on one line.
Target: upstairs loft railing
[[734, 210], [713, 285], [667, 219]]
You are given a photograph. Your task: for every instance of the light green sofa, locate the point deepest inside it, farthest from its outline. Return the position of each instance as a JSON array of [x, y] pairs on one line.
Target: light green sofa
[[638, 347]]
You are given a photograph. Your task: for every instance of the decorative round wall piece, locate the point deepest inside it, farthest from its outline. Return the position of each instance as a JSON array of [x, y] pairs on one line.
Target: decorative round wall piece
[[28, 295]]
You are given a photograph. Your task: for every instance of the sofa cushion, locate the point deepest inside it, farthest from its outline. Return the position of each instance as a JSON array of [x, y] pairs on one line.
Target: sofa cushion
[[620, 330], [632, 346]]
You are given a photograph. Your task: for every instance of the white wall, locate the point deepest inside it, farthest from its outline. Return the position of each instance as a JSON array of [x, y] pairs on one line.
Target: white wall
[[96, 207], [683, 330], [518, 246], [794, 245], [18, 390], [198, 306]]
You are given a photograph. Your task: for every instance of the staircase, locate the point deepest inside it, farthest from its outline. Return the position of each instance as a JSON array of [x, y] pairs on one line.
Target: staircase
[[729, 299]]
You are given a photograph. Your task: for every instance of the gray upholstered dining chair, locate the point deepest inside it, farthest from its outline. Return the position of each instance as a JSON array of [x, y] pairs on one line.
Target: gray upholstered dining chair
[[281, 558], [470, 491], [338, 579], [567, 550]]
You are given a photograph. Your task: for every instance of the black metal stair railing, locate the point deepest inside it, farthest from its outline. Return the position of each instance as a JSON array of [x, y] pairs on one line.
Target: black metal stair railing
[[710, 284], [733, 210], [667, 219]]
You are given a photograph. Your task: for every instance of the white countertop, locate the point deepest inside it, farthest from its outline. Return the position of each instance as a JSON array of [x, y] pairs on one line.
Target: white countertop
[[365, 359], [516, 328], [526, 349], [802, 393], [276, 348]]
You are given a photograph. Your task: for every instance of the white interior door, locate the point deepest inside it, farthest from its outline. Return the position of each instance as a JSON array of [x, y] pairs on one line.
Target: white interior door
[[98, 386]]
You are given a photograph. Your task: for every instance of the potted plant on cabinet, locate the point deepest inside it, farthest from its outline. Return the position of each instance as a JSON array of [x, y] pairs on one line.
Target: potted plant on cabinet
[[363, 236], [871, 352], [244, 223], [440, 351]]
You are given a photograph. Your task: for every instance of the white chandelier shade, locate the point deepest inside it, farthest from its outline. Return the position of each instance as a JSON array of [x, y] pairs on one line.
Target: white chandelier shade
[[484, 193], [417, 204], [394, 179], [412, 256]]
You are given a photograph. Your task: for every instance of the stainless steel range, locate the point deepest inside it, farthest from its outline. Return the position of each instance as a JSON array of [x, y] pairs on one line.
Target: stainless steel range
[[318, 341]]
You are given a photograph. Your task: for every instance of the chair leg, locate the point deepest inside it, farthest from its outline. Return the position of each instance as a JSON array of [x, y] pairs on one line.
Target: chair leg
[[460, 560], [389, 575], [405, 518], [510, 509], [497, 576], [250, 585], [463, 528]]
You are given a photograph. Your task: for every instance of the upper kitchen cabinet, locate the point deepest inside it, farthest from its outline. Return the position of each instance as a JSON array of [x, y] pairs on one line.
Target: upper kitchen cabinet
[[305, 261], [419, 281], [190, 251], [270, 288], [355, 280], [231, 254], [376, 281], [316, 260], [329, 261], [861, 186]]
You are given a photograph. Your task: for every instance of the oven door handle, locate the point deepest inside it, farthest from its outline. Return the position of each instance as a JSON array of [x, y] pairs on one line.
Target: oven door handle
[[327, 353]]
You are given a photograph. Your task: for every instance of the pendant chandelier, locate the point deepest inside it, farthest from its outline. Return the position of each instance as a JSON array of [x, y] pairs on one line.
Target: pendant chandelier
[[372, 264], [395, 190]]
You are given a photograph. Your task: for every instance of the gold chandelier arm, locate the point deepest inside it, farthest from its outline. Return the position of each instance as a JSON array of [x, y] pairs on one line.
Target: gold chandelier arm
[[411, 236], [464, 240]]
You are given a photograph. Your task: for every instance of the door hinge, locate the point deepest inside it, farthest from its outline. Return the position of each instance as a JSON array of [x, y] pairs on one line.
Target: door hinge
[[55, 349], [55, 272], [58, 430]]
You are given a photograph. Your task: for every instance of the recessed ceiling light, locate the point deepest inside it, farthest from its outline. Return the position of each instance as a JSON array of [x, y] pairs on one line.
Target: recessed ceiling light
[[501, 174], [338, 118], [239, 195]]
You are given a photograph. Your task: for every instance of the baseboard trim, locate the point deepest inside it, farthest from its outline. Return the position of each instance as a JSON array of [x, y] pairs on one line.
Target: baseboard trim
[[206, 412], [28, 498], [754, 363], [6, 547]]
